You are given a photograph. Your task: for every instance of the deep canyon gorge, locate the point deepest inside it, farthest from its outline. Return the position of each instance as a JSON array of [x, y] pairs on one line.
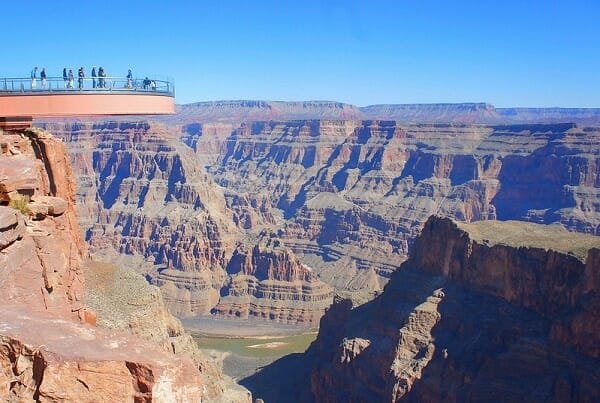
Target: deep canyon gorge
[[445, 252]]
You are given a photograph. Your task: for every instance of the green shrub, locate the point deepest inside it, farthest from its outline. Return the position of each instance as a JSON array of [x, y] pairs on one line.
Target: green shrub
[[20, 203]]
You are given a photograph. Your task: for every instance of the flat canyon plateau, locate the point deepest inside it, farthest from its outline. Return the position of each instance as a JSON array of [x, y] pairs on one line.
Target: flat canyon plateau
[[444, 252]]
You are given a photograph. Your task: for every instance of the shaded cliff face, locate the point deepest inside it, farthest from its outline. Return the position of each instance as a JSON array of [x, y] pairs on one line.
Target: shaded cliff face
[[476, 312], [50, 349]]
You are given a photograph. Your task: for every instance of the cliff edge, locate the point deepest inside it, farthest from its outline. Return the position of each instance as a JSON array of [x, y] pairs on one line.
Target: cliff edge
[[479, 312], [50, 347]]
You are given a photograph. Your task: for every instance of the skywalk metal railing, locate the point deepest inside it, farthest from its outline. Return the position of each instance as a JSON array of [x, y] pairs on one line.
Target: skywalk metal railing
[[87, 84]]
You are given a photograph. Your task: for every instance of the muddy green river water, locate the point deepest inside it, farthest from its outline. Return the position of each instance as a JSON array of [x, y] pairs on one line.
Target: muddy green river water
[[263, 347]]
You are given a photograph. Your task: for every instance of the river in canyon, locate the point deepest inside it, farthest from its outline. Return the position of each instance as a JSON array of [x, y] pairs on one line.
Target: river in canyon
[[245, 346]]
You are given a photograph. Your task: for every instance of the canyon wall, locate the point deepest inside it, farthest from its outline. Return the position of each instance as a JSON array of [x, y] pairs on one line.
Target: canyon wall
[[51, 349], [346, 197], [478, 311], [148, 195], [235, 112], [269, 282], [352, 195]]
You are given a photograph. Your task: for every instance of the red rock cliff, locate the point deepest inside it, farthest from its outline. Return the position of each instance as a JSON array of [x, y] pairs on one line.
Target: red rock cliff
[[49, 349]]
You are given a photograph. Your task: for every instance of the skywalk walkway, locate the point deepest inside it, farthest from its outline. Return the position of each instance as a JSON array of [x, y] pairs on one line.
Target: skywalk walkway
[[22, 100]]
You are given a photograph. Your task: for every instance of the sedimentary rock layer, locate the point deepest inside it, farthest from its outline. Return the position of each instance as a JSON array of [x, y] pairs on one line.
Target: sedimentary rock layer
[[269, 282], [348, 197], [362, 190], [154, 199], [468, 112]]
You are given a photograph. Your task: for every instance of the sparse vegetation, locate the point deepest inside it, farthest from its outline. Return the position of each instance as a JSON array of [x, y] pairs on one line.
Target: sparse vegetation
[[20, 203]]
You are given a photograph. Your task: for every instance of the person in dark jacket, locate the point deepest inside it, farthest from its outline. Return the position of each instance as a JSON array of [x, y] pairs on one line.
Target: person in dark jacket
[[43, 77], [101, 79], [129, 79], [81, 75], [93, 76], [65, 78]]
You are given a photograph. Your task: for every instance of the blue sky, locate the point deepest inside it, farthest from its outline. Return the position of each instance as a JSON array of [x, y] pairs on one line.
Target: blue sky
[[508, 53]]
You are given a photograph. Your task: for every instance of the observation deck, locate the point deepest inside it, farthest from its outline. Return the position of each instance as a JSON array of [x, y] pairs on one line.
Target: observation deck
[[22, 100]]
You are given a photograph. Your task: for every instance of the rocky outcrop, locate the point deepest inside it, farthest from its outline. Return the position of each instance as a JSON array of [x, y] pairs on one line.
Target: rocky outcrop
[[44, 358], [50, 348], [42, 247], [269, 282], [477, 311], [123, 300]]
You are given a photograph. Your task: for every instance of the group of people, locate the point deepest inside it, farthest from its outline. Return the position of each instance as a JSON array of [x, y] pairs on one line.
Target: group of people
[[98, 78], [43, 78]]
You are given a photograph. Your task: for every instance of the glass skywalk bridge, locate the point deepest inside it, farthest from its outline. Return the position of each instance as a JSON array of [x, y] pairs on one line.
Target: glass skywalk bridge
[[23, 99]]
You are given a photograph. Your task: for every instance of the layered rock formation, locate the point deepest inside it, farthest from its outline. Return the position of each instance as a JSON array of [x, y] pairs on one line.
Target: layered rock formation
[[269, 282], [478, 311], [246, 111], [354, 194], [50, 348], [444, 113], [236, 112], [154, 200], [348, 197]]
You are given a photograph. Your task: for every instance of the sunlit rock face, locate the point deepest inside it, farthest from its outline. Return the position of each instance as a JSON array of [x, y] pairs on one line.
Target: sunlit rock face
[[42, 247], [352, 195], [270, 282], [477, 311], [348, 197], [153, 198], [50, 347]]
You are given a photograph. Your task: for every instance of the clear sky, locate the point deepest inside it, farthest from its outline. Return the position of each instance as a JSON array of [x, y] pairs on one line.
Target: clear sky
[[363, 52]]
